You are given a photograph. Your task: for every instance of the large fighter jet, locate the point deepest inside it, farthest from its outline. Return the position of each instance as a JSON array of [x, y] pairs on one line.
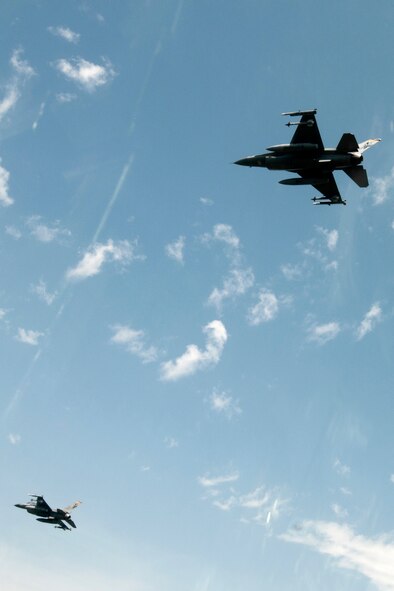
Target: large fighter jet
[[37, 506], [306, 156]]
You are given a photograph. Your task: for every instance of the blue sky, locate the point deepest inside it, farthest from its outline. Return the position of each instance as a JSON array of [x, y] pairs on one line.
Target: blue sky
[[194, 351]]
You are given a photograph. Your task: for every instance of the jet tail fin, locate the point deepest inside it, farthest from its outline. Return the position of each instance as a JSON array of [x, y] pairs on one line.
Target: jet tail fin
[[358, 174], [368, 144], [348, 143]]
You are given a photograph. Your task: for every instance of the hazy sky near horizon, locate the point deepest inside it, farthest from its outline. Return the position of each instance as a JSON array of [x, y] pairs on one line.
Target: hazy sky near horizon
[[197, 353]]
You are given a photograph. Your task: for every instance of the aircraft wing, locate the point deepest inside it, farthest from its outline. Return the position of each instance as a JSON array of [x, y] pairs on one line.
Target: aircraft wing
[[307, 131], [72, 506], [42, 504], [326, 184]]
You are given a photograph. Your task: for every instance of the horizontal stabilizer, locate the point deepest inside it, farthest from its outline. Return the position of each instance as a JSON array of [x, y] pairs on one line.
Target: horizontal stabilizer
[[347, 143], [358, 174], [299, 113]]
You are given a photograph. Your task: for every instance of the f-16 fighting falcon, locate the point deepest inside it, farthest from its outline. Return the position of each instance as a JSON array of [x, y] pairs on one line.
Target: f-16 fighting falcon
[[37, 506], [306, 156]]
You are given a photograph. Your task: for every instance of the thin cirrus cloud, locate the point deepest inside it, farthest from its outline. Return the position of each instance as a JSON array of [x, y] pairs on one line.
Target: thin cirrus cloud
[[65, 33], [134, 342], [371, 557], [214, 481], [322, 333], [174, 250], [87, 75], [122, 252], [28, 337], [370, 320], [195, 359]]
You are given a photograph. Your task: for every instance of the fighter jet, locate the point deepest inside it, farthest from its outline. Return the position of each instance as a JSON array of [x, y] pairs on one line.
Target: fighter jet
[[37, 506], [306, 156]]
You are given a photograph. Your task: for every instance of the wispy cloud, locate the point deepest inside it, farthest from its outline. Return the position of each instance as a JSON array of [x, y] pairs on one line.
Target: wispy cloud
[[171, 442], [65, 97], [28, 337], [236, 283], [122, 252], [340, 468], [14, 232], [175, 249], [21, 66], [65, 33], [371, 557], [266, 309], [291, 272], [14, 438], [46, 233], [87, 75], [39, 115], [5, 199], [222, 403], [370, 320], [339, 511], [331, 237], [381, 187], [239, 279], [22, 71], [206, 201], [214, 481], [195, 359], [134, 342], [322, 333], [40, 290]]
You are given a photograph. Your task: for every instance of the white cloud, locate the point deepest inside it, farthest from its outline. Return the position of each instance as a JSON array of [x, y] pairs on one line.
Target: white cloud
[[3, 313], [266, 309], [235, 284], [29, 337], [371, 557], [65, 33], [14, 438], [322, 333], [225, 233], [195, 359], [213, 481], [221, 403], [340, 468], [134, 342], [381, 187], [65, 97], [98, 254], [43, 294], [5, 199], [86, 74], [174, 250], [45, 233], [392, 478], [368, 323]]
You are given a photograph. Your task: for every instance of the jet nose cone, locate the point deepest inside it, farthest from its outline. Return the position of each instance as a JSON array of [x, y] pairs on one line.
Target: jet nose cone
[[243, 162]]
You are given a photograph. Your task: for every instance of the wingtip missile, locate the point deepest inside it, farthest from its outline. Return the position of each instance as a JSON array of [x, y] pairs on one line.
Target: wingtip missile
[[298, 113]]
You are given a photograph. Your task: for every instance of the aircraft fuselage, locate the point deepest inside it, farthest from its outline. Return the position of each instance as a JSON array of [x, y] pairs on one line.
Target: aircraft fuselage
[[328, 159]]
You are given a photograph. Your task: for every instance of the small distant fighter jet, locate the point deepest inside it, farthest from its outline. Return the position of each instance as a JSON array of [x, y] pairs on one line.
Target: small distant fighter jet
[[37, 506], [306, 156]]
